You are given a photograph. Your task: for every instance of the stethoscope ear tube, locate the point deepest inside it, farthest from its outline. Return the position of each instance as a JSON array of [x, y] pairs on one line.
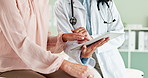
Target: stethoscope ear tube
[[106, 22]]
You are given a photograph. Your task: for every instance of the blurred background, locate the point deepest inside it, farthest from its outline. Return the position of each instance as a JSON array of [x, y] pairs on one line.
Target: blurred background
[[134, 14]]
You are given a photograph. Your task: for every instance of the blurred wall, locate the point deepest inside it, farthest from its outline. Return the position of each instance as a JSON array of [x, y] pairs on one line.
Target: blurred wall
[[52, 28], [133, 11]]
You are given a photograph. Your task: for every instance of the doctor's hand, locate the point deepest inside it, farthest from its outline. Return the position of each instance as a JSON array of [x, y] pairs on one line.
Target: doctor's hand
[[76, 70], [82, 30], [87, 51], [73, 37]]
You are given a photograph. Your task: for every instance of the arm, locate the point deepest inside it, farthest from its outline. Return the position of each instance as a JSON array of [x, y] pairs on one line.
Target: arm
[[13, 28], [117, 26], [35, 58], [64, 26], [55, 44]]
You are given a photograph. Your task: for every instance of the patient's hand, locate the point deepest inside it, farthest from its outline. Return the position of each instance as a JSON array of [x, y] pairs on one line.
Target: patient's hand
[[76, 70]]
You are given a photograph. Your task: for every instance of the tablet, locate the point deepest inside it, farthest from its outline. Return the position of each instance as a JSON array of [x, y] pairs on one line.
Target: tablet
[[111, 35]]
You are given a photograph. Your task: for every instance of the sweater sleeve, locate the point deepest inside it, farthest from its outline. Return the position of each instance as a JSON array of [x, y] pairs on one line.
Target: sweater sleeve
[[55, 44], [13, 28]]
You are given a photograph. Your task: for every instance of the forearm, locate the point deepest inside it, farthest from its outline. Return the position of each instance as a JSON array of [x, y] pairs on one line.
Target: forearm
[[56, 44]]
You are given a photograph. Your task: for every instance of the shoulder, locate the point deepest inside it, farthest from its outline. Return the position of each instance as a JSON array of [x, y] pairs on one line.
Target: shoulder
[[8, 5], [4, 3]]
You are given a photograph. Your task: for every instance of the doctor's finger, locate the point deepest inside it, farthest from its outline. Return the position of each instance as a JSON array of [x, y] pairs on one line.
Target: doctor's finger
[[84, 48], [79, 29], [95, 45], [103, 42], [98, 43], [82, 31]]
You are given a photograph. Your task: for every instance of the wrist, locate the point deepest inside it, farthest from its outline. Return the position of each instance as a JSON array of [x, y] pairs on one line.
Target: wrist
[[84, 55]]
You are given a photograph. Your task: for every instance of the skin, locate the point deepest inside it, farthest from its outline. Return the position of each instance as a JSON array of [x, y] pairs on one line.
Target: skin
[[72, 36], [81, 35], [83, 31], [75, 70], [87, 51]]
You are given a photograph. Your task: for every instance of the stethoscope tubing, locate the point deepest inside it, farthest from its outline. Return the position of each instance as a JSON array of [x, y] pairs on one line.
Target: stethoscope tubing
[[73, 20]]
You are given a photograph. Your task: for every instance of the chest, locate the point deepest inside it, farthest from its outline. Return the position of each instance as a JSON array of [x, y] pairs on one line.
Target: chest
[[35, 16], [97, 24], [32, 9]]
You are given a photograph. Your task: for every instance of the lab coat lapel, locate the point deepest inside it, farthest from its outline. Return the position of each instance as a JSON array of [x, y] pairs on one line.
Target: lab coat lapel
[[94, 19], [77, 4], [80, 16]]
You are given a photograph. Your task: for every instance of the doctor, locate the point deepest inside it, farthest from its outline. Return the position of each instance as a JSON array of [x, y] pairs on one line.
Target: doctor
[[98, 17]]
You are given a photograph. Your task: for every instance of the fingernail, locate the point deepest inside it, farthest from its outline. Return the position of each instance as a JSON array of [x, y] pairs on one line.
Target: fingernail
[[85, 46], [82, 38]]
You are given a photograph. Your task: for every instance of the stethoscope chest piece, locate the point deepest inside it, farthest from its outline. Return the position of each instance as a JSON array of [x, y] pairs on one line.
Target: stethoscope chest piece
[[73, 20]]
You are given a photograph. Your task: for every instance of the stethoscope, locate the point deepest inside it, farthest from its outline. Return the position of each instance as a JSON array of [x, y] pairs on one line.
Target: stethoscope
[[73, 19]]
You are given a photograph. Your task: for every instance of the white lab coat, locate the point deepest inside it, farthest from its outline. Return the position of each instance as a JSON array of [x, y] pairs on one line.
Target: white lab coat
[[109, 58]]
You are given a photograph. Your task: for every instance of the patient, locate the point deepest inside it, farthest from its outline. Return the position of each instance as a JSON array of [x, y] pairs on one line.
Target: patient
[[26, 46]]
